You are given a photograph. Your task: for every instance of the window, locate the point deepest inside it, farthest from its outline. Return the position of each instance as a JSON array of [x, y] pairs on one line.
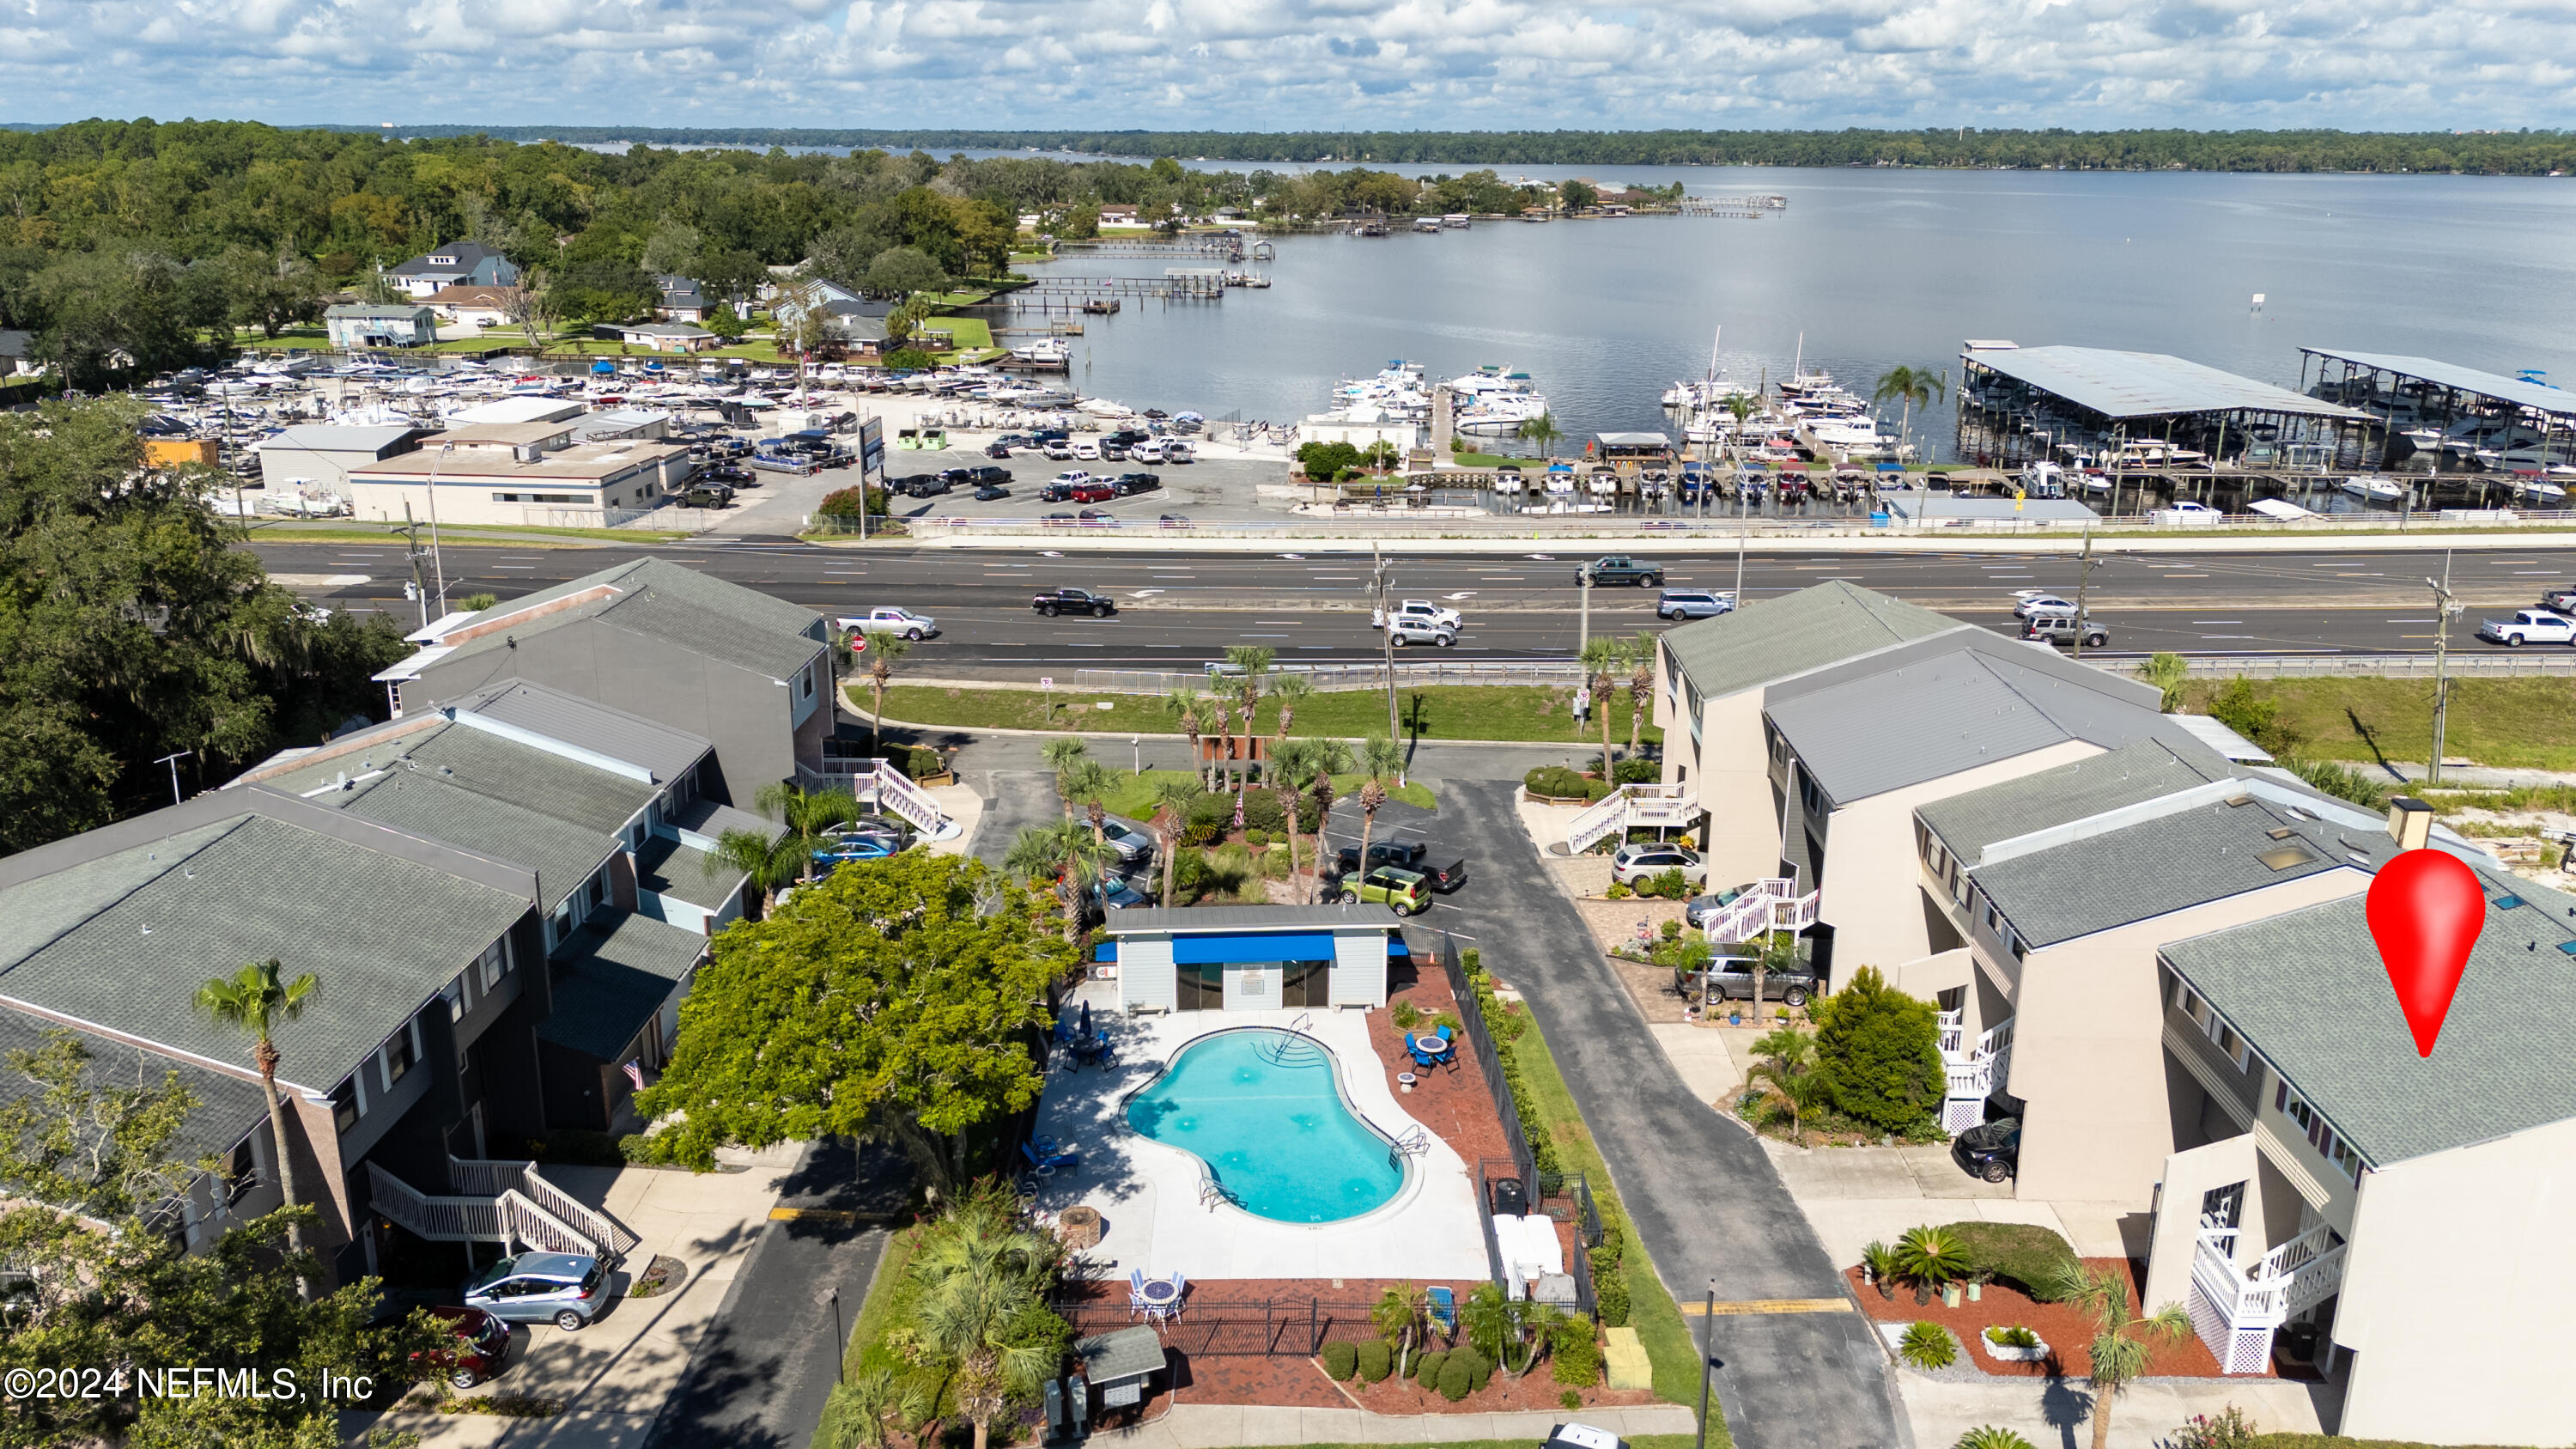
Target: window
[[560, 925], [599, 890], [453, 993], [2320, 1134], [809, 683], [345, 1107], [495, 960], [398, 1057], [241, 1173]]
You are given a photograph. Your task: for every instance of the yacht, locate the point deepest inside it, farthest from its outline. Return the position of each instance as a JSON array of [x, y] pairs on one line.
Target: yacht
[[2375, 490]]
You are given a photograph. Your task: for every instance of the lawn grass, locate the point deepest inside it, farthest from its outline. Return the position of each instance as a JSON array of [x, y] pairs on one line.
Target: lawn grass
[[1438, 712], [1134, 795], [496, 534], [1651, 1310], [2519, 724], [971, 333], [888, 1301]]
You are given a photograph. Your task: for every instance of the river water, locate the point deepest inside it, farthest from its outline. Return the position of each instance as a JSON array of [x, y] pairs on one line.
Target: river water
[[1866, 269]]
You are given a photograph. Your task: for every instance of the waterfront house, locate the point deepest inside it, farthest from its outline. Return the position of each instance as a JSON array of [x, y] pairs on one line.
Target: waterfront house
[[460, 264], [355, 325], [658, 336], [474, 305], [1252, 958], [1119, 213], [748, 672], [681, 300]]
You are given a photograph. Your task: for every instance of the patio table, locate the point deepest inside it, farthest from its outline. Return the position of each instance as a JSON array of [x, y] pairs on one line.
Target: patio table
[[1429, 1046], [1160, 1294]]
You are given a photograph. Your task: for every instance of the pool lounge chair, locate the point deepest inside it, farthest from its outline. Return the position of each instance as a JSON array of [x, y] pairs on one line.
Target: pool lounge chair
[[1051, 1159], [1444, 1311]]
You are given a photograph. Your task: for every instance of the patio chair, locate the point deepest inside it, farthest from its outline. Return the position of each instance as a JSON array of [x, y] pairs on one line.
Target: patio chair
[[1051, 1159], [1136, 1303], [1180, 1294], [1444, 1311]]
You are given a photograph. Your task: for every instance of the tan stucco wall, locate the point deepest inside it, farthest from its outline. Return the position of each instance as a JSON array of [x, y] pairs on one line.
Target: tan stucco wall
[[1733, 783], [1871, 865], [2450, 1295], [2088, 1047]]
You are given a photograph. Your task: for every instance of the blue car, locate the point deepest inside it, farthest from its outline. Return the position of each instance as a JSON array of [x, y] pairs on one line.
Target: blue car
[[857, 847]]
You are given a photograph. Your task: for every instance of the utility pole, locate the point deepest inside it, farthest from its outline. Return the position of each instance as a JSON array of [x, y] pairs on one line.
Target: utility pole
[[1583, 628], [437, 563], [419, 589], [1739, 568], [2445, 609], [1707, 1356], [1386, 639], [2083, 582]]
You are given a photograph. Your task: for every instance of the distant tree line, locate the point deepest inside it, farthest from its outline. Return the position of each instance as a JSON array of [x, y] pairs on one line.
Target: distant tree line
[[2516, 153]]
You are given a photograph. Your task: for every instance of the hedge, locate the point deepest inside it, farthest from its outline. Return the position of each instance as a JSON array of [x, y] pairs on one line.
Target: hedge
[[1574, 1353], [1341, 1360], [1462, 1373], [1556, 782], [1376, 1360], [2019, 1255], [1426, 1366]]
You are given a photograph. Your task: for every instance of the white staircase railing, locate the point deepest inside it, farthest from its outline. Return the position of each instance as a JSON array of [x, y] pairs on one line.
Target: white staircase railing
[[503, 1202], [1954, 1032], [894, 791], [1650, 805], [496, 1177], [1766, 905], [2236, 1310], [1972, 1075]]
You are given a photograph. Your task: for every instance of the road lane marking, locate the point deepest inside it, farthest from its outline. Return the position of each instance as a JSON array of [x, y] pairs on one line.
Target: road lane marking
[[1750, 1307]]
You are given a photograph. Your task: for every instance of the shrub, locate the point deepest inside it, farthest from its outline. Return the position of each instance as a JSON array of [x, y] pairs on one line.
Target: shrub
[[1561, 783], [844, 503], [1341, 1360], [1261, 812], [1456, 1380], [2255, 715], [2015, 1336], [910, 359], [1636, 770], [1669, 884], [1574, 1353], [1611, 1290], [1405, 1015], [1880, 1260], [1256, 837], [1992, 1436], [1929, 1257], [1569, 1400], [1672, 929], [1426, 1367], [1327, 460], [2227, 1429], [1878, 1050], [1472, 961], [1617, 892], [1479, 1369], [2019, 1255], [1928, 1346], [1376, 1360], [1209, 817], [2343, 782]]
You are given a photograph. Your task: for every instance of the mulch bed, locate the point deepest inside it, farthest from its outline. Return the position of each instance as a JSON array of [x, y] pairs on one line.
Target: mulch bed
[[2066, 1331], [1451, 1101]]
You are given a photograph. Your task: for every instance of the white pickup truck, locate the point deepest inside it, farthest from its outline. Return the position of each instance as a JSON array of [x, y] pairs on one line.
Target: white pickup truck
[[2529, 626], [1418, 611], [888, 621]]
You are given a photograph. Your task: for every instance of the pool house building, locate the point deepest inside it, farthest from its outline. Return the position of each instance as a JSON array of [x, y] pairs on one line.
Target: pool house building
[[1252, 958]]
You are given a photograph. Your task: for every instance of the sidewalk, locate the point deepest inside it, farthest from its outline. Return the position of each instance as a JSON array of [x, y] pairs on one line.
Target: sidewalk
[[1221, 1426]]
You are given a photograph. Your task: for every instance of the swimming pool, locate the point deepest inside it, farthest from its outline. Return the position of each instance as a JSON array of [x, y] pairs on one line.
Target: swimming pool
[[1264, 1110]]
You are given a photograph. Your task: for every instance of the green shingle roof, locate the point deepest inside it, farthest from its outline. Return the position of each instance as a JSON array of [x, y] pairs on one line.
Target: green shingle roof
[[419, 802], [667, 868], [611, 977], [1775, 638], [2144, 770], [2307, 989], [460, 755], [681, 607]]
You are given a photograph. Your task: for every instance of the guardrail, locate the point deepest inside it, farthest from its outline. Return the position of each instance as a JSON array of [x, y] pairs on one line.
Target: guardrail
[[1410, 522], [1330, 677], [2519, 663]]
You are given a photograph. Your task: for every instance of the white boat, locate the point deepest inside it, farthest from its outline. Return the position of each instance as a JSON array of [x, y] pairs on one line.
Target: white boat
[[2375, 490], [1455, 221], [1046, 351], [2538, 491]]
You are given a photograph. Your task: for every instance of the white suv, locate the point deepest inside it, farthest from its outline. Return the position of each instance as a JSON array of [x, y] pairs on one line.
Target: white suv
[[1420, 631], [1634, 863]]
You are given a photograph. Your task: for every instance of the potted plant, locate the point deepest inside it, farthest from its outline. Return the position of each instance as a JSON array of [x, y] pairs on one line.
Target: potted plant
[[2015, 1344], [1878, 1267]]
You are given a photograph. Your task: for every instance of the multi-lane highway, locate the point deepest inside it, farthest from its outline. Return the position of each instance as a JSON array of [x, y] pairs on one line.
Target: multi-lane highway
[[1179, 609]]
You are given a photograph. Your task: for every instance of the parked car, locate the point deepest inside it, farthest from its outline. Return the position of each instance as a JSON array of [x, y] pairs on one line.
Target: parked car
[[2061, 629], [1087, 450], [990, 492], [1056, 448], [997, 450], [1406, 631], [1134, 844], [1620, 569], [482, 1346], [984, 474], [2529, 626], [888, 620], [1420, 611], [1408, 892], [2559, 601], [919, 485], [566, 1289], [1074, 601], [1148, 451], [1730, 978], [1056, 491], [1412, 855], [1693, 604], [1131, 484], [707, 495], [1634, 863], [1698, 909], [1176, 450], [1093, 491], [1097, 518], [1992, 1151], [1117, 894]]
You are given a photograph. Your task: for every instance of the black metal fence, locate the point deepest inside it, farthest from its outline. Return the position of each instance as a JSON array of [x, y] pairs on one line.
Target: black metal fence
[[1289, 1327], [1481, 1040], [1575, 1193]]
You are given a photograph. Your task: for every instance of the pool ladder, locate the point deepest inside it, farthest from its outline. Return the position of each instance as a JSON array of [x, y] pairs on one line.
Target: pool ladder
[[1212, 1192], [1413, 1143], [1298, 1048]]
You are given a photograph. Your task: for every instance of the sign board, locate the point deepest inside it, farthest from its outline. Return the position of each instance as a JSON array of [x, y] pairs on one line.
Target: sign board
[[871, 447], [1046, 681], [1121, 1395]]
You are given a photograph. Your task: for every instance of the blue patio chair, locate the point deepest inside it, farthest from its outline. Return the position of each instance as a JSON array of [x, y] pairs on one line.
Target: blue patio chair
[[1421, 1058], [1444, 1311], [1136, 1303], [1050, 1160]]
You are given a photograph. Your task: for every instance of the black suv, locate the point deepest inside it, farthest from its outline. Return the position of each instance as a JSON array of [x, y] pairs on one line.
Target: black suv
[[1992, 1152], [1619, 569], [1056, 492], [1131, 484], [1073, 601], [984, 475]]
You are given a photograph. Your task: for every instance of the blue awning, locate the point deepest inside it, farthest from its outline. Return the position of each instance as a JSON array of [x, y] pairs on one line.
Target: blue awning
[[1219, 949], [1105, 951], [1395, 944]]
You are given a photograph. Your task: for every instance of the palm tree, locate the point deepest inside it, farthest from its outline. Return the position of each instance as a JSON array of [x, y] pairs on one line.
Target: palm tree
[[1379, 758], [1086, 782], [1332, 757], [1288, 689], [974, 1288], [1641, 687], [1790, 1068], [1066, 854], [809, 817], [1380, 455], [1291, 765], [1543, 431], [1398, 1315], [1603, 658], [1060, 754], [1252, 665], [768, 862], [1174, 796], [254, 1001], [883, 649], [1189, 706], [2120, 1347], [1907, 385]]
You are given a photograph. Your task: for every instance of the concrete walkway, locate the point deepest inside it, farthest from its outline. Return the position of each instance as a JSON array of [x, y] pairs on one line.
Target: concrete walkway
[[1705, 1199], [1221, 1426], [2056, 1413]]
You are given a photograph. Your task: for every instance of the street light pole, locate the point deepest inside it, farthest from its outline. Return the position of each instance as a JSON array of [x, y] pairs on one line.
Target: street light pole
[[2445, 608], [1707, 1356], [437, 562]]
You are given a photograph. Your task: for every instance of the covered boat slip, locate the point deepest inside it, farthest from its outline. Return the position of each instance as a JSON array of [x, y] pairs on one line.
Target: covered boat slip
[[2148, 413], [2463, 417], [1252, 958]]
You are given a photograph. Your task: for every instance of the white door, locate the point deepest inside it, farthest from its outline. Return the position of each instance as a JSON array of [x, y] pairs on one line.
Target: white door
[[1251, 988]]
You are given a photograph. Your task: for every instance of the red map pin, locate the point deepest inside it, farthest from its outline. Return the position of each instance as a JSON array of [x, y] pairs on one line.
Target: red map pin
[[2425, 910]]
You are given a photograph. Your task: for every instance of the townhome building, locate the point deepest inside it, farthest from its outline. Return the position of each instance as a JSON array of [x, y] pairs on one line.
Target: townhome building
[[749, 673]]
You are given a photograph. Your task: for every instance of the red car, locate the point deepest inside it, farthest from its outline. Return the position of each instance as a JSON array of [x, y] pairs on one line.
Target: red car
[[482, 1346], [1094, 492]]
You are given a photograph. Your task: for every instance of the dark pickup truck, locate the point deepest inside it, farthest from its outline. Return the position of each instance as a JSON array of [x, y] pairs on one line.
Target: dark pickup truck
[[1073, 601], [1407, 855], [1619, 569]]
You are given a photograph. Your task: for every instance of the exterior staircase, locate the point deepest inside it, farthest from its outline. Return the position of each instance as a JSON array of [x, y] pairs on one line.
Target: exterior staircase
[[879, 785], [1663, 806], [1974, 1072], [502, 1202], [2236, 1310], [1767, 905]]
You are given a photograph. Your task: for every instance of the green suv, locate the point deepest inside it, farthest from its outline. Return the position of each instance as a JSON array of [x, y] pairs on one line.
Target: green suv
[[1408, 891]]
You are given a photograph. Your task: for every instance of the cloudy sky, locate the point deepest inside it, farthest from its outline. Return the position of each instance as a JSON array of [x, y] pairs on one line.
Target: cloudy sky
[[1288, 64]]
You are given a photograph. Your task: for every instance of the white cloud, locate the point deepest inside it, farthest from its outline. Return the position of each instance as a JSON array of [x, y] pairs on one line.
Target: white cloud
[[1297, 64]]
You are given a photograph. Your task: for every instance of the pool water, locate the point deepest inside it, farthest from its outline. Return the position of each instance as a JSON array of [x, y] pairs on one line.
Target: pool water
[[1263, 1110]]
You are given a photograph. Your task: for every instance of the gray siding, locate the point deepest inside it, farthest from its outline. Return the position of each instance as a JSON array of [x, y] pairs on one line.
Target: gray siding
[[1359, 968], [2182, 1034], [1145, 973]]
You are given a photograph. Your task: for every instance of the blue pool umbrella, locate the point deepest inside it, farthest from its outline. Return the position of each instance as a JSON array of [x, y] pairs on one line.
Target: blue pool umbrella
[[1085, 1028]]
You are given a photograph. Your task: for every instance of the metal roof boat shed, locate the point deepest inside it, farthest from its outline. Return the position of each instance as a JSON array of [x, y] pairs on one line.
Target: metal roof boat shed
[[2019, 401], [2451, 412], [2539, 397]]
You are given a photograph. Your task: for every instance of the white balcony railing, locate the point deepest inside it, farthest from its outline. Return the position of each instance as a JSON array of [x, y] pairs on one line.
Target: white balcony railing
[[2235, 1310], [1765, 906], [1664, 806], [1973, 1073]]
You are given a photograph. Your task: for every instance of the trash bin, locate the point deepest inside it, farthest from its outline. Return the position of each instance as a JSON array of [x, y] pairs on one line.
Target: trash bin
[[2299, 1342]]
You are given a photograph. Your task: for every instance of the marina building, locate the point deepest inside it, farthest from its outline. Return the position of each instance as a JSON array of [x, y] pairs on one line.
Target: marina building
[[2458, 418], [320, 455], [530, 474], [2139, 411]]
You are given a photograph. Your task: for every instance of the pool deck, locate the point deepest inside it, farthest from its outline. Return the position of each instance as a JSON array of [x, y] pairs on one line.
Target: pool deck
[[1148, 1194]]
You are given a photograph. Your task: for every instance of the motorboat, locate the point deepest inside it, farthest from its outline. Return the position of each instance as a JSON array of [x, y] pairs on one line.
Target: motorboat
[[2374, 490]]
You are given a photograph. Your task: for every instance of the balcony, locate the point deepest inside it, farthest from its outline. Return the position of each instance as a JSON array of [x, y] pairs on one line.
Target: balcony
[[1974, 1072], [1765, 906], [2235, 1310]]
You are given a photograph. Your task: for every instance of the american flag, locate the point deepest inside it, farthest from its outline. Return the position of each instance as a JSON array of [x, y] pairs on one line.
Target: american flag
[[635, 1074], [1238, 809]]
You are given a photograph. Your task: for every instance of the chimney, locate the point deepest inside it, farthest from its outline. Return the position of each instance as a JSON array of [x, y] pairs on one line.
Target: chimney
[[2410, 822]]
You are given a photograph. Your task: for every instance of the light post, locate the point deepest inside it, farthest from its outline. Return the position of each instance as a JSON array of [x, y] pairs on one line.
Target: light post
[[173, 762], [1707, 1355], [438, 563], [832, 1297]]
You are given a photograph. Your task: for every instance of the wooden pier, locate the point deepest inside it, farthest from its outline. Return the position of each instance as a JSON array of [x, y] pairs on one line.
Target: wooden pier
[[1080, 294], [1740, 208]]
